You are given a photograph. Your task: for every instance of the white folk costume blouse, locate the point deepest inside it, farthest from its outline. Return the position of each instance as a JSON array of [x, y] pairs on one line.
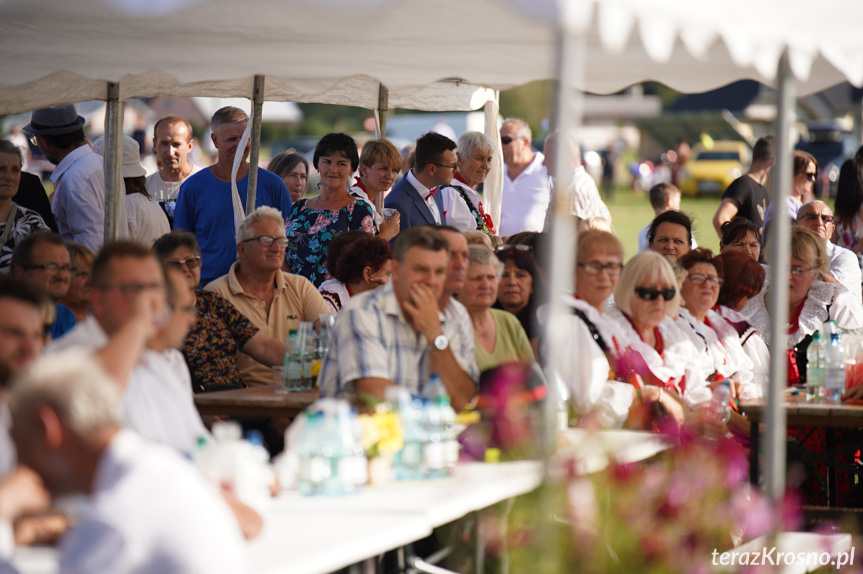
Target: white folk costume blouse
[[720, 350], [677, 366], [588, 370]]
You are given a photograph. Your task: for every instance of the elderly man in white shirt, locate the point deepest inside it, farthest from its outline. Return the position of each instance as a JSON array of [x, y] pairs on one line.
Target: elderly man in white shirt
[[157, 400], [149, 509], [585, 202], [817, 216], [526, 191], [79, 178]]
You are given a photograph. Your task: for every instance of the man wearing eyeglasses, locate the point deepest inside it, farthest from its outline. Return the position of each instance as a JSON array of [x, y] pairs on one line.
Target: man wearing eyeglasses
[[817, 216], [43, 260], [275, 301], [416, 196], [526, 189], [129, 296]]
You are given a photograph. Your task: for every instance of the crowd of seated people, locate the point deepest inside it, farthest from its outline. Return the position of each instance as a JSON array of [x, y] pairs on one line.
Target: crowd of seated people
[[649, 338]]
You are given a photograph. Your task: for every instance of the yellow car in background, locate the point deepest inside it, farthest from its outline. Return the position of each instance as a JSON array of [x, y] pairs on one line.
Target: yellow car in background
[[711, 171]]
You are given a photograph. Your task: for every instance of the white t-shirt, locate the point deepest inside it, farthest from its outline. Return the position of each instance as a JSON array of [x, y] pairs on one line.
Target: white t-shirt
[[147, 222], [162, 190], [524, 201], [158, 402]]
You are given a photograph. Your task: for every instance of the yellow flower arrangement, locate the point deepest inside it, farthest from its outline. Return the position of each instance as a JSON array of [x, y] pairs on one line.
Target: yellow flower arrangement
[[382, 431]]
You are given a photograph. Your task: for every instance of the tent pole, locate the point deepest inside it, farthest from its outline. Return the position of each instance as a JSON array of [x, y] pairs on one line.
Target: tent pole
[[257, 114], [381, 129], [381, 112], [780, 254], [115, 216]]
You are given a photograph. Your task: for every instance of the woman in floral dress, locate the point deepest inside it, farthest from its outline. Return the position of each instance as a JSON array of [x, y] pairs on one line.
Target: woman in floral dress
[[313, 223]]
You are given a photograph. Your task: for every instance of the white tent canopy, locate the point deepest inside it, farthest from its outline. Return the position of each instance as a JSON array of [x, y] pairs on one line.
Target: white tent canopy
[[338, 51]]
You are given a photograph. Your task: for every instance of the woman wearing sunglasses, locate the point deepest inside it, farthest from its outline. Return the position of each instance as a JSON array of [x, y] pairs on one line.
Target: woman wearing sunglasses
[[655, 356], [803, 188], [220, 331]]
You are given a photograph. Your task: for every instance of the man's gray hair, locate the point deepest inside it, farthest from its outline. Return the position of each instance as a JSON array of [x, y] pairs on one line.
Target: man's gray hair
[[263, 213], [482, 256], [74, 386], [469, 142], [519, 126], [228, 115]]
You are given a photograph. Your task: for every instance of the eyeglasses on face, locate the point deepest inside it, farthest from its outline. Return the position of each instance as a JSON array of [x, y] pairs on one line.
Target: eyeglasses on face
[[507, 139], [798, 271], [810, 175], [452, 167], [52, 267], [650, 294], [190, 263], [592, 268], [266, 240], [518, 247], [814, 216], [699, 279]]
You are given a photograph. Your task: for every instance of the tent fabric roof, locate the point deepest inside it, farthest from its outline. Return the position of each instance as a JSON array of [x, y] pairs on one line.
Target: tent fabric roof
[[338, 51]]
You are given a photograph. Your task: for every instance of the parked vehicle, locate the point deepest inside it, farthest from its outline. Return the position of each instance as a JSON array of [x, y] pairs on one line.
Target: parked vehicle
[[711, 171]]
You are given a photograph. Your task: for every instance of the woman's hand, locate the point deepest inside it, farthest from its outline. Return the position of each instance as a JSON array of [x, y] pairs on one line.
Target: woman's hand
[[390, 227]]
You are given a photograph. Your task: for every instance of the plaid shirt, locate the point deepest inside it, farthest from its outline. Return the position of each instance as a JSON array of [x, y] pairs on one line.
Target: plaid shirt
[[372, 339]]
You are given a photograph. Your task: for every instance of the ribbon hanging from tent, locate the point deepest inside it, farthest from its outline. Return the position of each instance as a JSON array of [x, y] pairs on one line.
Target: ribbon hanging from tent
[[239, 208]]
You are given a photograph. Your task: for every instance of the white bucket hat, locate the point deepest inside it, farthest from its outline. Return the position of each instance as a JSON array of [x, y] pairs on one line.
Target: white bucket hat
[[131, 156]]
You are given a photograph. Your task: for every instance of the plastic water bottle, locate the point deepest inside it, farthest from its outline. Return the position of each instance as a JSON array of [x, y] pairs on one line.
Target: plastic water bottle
[[434, 453], [815, 363], [337, 438], [447, 423], [292, 365], [314, 468], [834, 371], [407, 464], [719, 410]]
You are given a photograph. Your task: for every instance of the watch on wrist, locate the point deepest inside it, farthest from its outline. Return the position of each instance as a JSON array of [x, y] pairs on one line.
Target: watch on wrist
[[441, 342]]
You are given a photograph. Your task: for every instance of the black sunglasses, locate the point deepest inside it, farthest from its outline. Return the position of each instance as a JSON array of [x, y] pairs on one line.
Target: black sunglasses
[[507, 139], [650, 294]]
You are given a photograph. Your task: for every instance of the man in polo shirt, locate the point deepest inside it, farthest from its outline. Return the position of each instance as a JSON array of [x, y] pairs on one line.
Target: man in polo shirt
[[205, 203], [526, 189], [274, 301], [415, 196], [79, 178], [396, 334]]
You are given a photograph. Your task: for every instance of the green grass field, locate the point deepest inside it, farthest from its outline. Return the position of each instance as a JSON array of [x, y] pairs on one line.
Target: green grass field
[[631, 212]]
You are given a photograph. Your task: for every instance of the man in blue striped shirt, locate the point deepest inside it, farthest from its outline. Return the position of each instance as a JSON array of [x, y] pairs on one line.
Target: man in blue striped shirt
[[397, 335]]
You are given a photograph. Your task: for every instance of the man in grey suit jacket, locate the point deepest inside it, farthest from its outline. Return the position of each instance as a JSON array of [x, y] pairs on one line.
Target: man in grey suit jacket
[[415, 195]]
